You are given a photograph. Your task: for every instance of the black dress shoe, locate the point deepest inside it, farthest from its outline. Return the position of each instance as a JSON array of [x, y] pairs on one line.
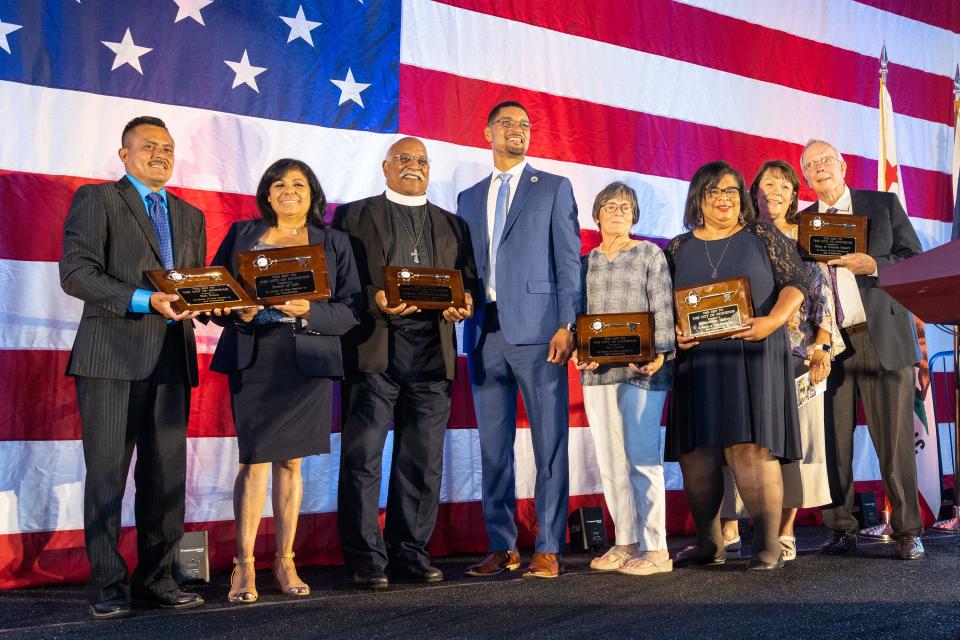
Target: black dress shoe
[[908, 547], [370, 577], [839, 543], [756, 564], [420, 571], [113, 608], [173, 599], [694, 556]]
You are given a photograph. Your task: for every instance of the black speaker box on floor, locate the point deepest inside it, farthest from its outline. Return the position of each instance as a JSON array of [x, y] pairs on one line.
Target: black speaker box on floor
[[587, 530], [192, 562], [865, 509]]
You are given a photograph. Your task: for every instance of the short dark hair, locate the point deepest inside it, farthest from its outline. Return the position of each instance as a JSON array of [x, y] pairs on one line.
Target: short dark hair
[[276, 171], [136, 122], [706, 178], [503, 105], [613, 190], [788, 173]]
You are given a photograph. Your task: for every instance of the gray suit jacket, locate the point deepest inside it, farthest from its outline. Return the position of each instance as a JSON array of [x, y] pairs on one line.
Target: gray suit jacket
[[890, 239], [108, 243]]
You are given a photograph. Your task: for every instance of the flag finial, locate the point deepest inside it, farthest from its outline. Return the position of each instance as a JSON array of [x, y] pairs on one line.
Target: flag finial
[[883, 63], [956, 84]]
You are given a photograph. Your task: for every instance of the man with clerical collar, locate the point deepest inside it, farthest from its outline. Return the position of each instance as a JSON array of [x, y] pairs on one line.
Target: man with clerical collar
[[878, 363], [400, 362]]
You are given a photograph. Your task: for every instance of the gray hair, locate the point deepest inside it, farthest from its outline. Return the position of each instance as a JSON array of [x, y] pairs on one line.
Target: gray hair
[[613, 190], [813, 141]]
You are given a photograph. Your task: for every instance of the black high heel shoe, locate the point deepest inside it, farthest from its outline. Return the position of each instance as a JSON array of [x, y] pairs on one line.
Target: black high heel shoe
[[756, 564]]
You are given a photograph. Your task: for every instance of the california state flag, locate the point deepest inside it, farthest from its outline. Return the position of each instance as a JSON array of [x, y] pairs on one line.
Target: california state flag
[[924, 422]]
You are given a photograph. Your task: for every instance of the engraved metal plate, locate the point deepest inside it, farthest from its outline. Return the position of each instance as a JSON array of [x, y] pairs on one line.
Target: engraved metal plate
[[615, 339], [423, 287], [275, 276], [715, 309], [200, 289], [825, 236]]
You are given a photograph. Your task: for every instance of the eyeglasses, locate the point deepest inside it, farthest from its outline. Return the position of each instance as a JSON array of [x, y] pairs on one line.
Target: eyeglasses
[[612, 208], [405, 158], [825, 162], [509, 123], [731, 192]]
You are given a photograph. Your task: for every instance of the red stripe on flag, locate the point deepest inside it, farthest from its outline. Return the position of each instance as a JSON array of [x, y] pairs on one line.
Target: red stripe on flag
[[50, 557], [443, 106], [938, 13], [40, 202], [789, 60]]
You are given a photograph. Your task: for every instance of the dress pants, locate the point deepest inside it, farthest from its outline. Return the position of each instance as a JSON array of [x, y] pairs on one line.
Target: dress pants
[[415, 395], [151, 416], [625, 426], [888, 404], [497, 370]]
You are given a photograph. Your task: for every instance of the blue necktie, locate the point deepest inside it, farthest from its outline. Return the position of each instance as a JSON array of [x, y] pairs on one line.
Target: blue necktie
[[499, 219], [161, 225]]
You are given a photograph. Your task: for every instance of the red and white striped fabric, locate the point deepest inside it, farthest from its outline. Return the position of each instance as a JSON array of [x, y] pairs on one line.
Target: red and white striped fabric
[[642, 92]]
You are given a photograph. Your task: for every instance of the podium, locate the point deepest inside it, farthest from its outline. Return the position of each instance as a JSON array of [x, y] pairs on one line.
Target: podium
[[929, 286]]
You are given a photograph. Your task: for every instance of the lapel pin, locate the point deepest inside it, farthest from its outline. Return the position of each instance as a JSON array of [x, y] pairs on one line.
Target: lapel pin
[[534, 178]]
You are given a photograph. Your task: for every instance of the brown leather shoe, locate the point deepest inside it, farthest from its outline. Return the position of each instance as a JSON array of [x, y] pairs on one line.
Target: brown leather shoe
[[543, 565], [494, 563], [908, 547]]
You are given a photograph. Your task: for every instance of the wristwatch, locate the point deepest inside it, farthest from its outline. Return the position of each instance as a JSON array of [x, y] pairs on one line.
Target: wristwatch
[[570, 326], [824, 347]]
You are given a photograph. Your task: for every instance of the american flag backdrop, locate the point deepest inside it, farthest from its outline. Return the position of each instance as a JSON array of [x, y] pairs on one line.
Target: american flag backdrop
[[642, 91]]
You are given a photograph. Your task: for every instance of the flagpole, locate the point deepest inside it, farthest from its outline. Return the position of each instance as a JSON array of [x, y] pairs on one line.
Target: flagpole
[[882, 532], [952, 525]]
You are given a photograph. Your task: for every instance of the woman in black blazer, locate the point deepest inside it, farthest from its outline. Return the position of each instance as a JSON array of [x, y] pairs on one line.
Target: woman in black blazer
[[280, 361]]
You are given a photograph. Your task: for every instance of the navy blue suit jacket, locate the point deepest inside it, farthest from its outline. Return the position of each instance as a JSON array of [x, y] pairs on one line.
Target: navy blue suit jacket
[[318, 343], [538, 261]]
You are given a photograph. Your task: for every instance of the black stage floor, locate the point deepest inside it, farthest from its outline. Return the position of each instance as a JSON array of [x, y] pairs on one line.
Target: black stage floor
[[870, 596]]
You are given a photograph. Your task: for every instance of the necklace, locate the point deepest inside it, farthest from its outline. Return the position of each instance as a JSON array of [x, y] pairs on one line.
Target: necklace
[[415, 254], [614, 249], [710, 260], [293, 230]]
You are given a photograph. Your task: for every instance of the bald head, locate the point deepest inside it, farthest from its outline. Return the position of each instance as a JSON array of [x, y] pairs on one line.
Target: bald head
[[407, 167]]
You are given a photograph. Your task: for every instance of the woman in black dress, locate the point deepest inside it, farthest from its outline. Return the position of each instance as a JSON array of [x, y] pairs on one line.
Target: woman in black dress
[[734, 400], [280, 361]]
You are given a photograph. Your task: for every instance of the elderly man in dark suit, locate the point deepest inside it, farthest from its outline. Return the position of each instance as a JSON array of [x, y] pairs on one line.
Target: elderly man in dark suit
[[134, 361], [403, 361], [878, 363]]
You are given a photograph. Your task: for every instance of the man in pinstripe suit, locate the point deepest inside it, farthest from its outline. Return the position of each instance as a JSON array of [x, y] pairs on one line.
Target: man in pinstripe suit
[[134, 361]]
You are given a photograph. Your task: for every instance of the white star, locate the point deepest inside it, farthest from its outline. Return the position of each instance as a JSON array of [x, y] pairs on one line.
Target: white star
[[300, 27], [191, 9], [5, 28], [349, 88], [246, 72], [127, 52]]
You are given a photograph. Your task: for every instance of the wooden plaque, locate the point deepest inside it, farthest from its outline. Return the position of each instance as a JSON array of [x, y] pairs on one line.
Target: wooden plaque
[[275, 276], [200, 289], [615, 339], [825, 236], [424, 288], [714, 309]]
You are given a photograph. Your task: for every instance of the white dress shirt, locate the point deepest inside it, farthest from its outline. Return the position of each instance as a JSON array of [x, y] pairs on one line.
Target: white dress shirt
[[492, 212], [847, 291]]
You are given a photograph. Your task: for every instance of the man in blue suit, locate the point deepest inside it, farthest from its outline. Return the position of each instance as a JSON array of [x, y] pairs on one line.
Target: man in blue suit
[[526, 242]]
